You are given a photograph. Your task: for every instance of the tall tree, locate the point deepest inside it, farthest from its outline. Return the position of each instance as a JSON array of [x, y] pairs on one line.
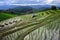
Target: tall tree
[[53, 7]]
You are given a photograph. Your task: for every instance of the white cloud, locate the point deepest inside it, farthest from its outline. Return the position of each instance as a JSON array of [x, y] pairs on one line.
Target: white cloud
[[25, 4], [53, 2], [30, 0], [10, 1], [7, 2], [49, 1], [37, 0], [33, 2], [1, 3]]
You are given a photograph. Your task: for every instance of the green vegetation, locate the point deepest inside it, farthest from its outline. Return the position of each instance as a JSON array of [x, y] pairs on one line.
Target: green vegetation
[[53, 7], [4, 16], [30, 24]]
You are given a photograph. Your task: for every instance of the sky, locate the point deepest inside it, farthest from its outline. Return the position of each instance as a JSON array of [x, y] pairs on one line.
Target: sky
[[29, 2], [6, 4]]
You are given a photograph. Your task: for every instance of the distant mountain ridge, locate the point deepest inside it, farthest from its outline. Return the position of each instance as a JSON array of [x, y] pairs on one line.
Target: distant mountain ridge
[[41, 7], [26, 9], [5, 7], [20, 9]]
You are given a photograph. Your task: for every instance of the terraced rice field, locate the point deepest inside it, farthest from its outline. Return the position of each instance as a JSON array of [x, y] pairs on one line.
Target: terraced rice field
[[44, 26], [4, 16]]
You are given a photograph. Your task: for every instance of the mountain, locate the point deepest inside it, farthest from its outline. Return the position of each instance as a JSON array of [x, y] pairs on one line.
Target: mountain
[[25, 9], [20, 10], [41, 7], [5, 7]]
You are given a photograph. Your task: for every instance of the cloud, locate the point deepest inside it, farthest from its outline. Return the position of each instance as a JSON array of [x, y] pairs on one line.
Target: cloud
[[21, 2], [38, 0], [8, 1], [25, 4], [1, 3], [49, 1], [29, 2]]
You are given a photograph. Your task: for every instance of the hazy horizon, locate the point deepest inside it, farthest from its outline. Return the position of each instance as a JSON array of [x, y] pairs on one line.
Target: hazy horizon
[[5, 4]]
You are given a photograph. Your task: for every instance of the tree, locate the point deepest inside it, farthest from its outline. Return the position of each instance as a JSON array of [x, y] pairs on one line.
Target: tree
[[53, 7]]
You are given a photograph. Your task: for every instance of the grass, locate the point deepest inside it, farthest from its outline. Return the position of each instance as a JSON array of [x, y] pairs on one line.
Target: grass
[[4, 16]]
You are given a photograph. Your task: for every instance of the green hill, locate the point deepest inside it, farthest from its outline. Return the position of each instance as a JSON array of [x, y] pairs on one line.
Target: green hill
[[4, 16]]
